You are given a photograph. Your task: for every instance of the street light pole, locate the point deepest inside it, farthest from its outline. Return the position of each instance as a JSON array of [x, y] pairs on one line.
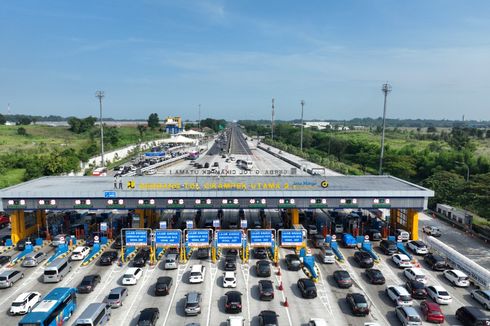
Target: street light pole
[[199, 119], [100, 95], [386, 89], [301, 141], [272, 120]]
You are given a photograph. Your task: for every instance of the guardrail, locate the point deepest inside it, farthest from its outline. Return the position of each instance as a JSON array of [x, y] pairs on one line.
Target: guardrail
[[157, 165]]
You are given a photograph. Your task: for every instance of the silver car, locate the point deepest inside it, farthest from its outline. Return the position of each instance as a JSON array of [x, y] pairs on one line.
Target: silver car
[[116, 297], [33, 259], [8, 278]]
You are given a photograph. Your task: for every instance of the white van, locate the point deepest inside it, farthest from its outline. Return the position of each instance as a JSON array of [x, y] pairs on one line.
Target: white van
[[326, 255], [56, 270], [197, 274], [171, 261], [404, 235], [96, 314]]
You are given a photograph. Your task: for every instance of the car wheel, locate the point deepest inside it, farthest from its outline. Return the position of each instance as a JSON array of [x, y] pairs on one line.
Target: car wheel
[[486, 306], [22, 275]]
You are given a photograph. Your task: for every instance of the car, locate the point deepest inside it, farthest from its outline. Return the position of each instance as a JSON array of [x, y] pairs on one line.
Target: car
[[307, 288], [418, 247], [163, 285], [439, 294], [364, 259], [263, 268], [401, 260], [482, 296], [57, 239], [432, 230], [24, 303], [216, 164], [116, 297], [348, 240], [457, 278], [317, 322], [148, 317], [230, 263], [435, 262], [415, 274], [342, 278], [416, 289], [33, 259], [206, 165], [4, 221], [229, 280], [408, 316], [192, 306], [232, 252], [3, 240], [312, 229], [9, 277], [358, 304], [374, 235], [399, 295], [117, 243], [388, 247], [266, 290], [80, 253], [292, 262], [21, 244], [197, 274], [4, 259], [375, 276], [141, 258], [260, 253], [268, 318], [202, 253], [472, 316], [235, 321], [402, 235], [326, 255], [132, 275], [88, 284], [431, 312], [233, 302], [108, 257]]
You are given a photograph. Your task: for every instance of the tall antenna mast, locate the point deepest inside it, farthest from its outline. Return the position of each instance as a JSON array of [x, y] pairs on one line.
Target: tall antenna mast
[[100, 95], [272, 120], [385, 89]]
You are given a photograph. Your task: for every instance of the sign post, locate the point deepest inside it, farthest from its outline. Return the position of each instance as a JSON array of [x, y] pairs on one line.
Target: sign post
[[229, 238], [291, 237]]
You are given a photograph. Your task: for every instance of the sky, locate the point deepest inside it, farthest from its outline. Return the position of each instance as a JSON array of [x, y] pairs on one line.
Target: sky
[[232, 57]]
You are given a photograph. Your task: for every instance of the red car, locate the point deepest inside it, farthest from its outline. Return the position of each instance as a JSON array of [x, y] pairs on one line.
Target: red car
[[432, 312]]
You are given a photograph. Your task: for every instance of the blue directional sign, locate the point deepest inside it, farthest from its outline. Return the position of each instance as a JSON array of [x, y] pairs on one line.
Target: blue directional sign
[[198, 238], [153, 154], [291, 237], [110, 194], [260, 238], [226, 238], [136, 237], [167, 237]]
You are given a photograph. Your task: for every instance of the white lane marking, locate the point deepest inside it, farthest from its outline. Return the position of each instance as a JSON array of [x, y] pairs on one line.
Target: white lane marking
[[141, 282], [245, 268], [324, 294], [213, 271], [180, 273], [279, 280]]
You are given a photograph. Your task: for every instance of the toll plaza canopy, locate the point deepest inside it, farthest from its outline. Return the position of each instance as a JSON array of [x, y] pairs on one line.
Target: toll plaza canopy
[[172, 191]]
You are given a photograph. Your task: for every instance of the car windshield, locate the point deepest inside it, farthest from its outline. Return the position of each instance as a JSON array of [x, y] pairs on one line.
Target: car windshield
[[48, 272], [192, 304], [414, 318], [113, 296], [86, 282], [229, 279], [463, 278], [362, 304], [405, 298], [195, 274], [443, 293], [17, 304], [266, 286], [128, 276]]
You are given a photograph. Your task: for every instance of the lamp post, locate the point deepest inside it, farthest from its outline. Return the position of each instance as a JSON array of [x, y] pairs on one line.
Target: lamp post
[[302, 107], [100, 95], [386, 89]]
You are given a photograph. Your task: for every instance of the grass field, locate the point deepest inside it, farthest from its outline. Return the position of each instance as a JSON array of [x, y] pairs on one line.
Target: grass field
[[11, 177]]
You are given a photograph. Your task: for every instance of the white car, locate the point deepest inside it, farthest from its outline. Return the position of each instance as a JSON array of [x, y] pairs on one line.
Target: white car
[[312, 229], [132, 275], [80, 253], [24, 303], [399, 295], [229, 280], [317, 322], [439, 294], [401, 260], [457, 277], [197, 274], [432, 230], [418, 247], [415, 274], [482, 297], [235, 321]]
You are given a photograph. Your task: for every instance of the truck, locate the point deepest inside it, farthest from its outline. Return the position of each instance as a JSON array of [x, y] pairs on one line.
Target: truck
[[478, 275]]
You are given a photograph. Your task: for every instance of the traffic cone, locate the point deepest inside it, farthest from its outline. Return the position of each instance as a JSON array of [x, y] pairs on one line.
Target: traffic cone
[[280, 286], [279, 271], [285, 303]]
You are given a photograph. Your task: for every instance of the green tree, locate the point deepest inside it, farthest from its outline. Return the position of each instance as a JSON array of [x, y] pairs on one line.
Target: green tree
[[460, 139], [24, 120], [112, 134], [141, 130], [447, 187], [3, 120], [153, 121], [22, 131]]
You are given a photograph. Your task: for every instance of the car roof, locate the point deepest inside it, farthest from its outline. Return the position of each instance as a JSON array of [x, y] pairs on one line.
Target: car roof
[[432, 305], [23, 296], [132, 270], [229, 274], [342, 273], [118, 290], [268, 313], [91, 276], [402, 256], [400, 289], [417, 271], [458, 272], [233, 294], [80, 248], [164, 279], [409, 310], [147, 312], [192, 296]]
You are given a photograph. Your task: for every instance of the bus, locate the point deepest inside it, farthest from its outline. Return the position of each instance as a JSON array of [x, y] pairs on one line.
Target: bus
[[100, 172], [54, 310], [245, 164], [193, 155]]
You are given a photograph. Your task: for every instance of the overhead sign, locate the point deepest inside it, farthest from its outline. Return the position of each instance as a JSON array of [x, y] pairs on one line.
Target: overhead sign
[[136, 237], [227, 238], [260, 238], [153, 154], [198, 238], [167, 237], [291, 237]]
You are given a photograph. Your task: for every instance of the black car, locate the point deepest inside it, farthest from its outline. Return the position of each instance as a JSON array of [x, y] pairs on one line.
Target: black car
[[88, 283], [358, 304], [263, 268], [141, 258], [435, 262], [164, 283], [260, 253], [117, 243], [233, 302], [374, 235], [202, 253], [108, 258], [268, 318], [206, 165], [416, 289], [266, 290], [342, 278], [232, 252], [4, 239], [388, 247], [363, 259], [4, 260], [307, 288], [292, 262], [148, 317], [375, 276], [21, 245], [230, 263]]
